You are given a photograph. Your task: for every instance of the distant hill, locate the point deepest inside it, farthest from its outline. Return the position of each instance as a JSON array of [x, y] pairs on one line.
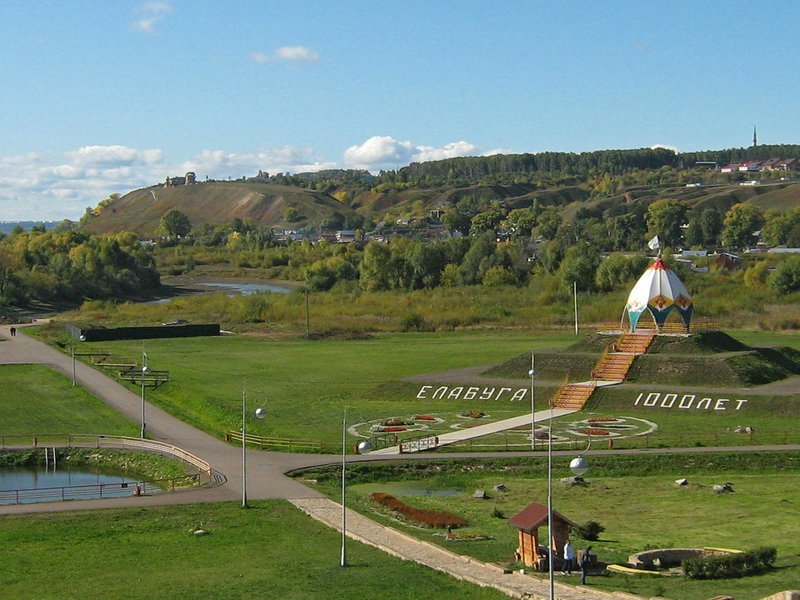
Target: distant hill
[[216, 202], [8, 226], [601, 182]]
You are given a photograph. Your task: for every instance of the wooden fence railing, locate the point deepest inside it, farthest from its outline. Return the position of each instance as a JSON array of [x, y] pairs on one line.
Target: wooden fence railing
[[289, 444]]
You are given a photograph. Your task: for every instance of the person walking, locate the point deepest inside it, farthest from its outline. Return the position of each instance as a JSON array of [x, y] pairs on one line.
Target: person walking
[[585, 561], [569, 558]]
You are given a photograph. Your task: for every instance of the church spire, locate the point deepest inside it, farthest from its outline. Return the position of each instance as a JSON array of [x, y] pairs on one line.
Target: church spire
[[755, 138]]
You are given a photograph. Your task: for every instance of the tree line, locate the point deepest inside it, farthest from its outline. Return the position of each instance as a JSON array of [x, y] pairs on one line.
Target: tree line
[[64, 265]]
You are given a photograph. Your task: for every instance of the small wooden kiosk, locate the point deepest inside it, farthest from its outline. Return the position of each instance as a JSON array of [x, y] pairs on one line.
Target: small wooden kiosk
[[530, 551]]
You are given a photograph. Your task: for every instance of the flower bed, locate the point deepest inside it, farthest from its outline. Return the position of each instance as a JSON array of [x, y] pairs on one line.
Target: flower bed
[[424, 418], [601, 419], [596, 432], [426, 518], [390, 428], [394, 421], [473, 414]]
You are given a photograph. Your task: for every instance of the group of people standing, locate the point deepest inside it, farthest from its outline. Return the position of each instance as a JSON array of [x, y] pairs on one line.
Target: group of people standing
[[13, 331], [569, 560]]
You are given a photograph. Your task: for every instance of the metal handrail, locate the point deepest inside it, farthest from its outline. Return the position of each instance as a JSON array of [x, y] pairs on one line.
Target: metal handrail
[[76, 440]]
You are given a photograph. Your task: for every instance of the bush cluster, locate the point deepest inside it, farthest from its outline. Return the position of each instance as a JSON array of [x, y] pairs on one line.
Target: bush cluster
[[427, 518], [727, 566]]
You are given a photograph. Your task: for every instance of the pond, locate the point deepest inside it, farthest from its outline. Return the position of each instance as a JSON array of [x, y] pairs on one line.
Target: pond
[[28, 485], [248, 288], [231, 288]]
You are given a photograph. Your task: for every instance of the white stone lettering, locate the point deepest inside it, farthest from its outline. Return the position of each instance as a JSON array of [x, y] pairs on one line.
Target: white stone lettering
[[669, 400], [487, 393], [422, 391], [705, 403], [519, 395], [686, 402], [440, 392], [501, 392], [455, 393], [471, 393], [655, 396]]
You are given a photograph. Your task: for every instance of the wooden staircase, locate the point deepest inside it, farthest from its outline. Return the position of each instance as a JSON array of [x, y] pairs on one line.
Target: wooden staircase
[[573, 395], [616, 360]]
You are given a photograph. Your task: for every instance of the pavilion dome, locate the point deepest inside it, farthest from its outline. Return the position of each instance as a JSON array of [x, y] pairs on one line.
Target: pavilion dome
[[660, 291]]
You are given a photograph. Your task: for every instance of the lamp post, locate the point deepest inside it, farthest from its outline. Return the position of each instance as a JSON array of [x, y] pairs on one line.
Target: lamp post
[[579, 466], [532, 373], [144, 371], [260, 413], [343, 559], [72, 347], [363, 447]]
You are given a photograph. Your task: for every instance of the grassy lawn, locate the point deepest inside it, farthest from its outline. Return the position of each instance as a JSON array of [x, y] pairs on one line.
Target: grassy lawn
[[305, 385], [38, 400], [634, 498], [270, 551]]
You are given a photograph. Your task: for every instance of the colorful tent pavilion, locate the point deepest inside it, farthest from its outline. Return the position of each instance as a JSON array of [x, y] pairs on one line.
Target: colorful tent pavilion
[[660, 291]]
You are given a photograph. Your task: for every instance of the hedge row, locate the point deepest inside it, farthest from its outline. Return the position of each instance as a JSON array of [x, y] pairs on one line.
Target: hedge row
[[428, 518], [728, 566]]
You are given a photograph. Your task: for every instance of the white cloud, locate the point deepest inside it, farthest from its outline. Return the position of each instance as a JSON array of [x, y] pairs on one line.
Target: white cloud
[[297, 53], [385, 152], [114, 155], [379, 151], [451, 150], [152, 13], [288, 54], [666, 147], [288, 159]]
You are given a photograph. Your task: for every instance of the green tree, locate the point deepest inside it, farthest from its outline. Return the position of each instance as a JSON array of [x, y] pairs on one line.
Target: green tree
[[174, 225], [485, 221], [522, 221], [498, 276], [618, 269], [579, 265], [711, 224], [451, 277], [664, 219], [375, 267], [786, 278], [782, 228], [741, 222]]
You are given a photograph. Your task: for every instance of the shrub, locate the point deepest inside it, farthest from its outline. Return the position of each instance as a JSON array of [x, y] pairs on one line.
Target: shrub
[[414, 322], [591, 531], [727, 566]]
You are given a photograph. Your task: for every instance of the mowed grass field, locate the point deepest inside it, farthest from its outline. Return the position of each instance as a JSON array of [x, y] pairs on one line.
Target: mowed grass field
[[634, 498], [271, 550], [37, 400], [306, 385]]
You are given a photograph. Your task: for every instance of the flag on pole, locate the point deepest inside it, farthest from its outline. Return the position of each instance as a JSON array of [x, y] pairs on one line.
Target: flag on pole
[[654, 244]]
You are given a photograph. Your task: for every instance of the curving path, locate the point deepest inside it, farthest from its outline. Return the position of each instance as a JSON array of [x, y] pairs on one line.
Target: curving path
[[267, 479]]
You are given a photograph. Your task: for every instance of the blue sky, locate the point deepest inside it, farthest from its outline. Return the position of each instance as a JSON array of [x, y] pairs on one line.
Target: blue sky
[[103, 97]]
